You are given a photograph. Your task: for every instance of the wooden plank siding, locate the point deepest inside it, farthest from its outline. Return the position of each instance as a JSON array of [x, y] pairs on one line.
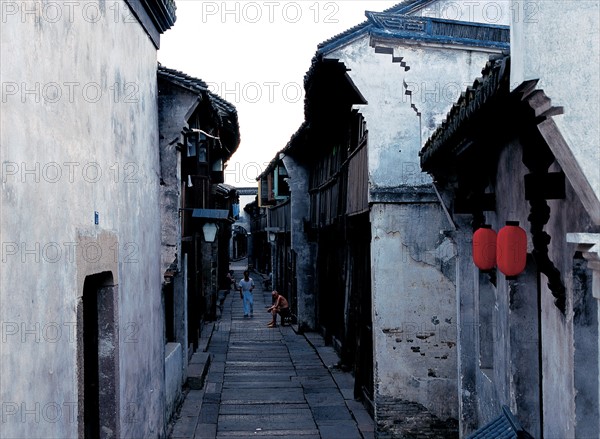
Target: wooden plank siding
[[284, 278], [358, 181], [339, 179], [258, 223], [280, 216], [200, 194], [344, 192], [339, 215]]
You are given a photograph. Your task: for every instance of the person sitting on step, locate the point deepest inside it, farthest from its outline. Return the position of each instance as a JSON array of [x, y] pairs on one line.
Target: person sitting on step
[[281, 307]]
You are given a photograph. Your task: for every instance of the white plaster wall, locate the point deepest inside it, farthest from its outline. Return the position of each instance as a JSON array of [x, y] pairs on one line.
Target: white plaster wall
[[570, 77], [409, 292], [414, 311], [557, 329], [436, 78], [56, 124], [559, 366], [173, 376]]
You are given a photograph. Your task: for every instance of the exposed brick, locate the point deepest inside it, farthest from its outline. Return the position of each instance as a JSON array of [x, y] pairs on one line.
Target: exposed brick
[[397, 418]]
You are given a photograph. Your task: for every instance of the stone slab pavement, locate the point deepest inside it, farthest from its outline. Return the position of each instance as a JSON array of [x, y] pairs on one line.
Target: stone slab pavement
[[269, 382]]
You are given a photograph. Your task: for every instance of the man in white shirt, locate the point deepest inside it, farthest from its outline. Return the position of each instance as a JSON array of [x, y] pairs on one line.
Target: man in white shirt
[[245, 287]]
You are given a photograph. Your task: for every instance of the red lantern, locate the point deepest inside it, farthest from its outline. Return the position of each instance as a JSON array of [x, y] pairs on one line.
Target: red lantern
[[484, 248], [511, 250]]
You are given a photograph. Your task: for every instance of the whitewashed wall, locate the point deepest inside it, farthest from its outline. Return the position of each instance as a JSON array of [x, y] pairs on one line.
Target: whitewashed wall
[[79, 134], [413, 253], [570, 78]]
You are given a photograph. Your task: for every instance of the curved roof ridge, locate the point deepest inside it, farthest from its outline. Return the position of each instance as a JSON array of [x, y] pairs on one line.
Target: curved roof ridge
[[196, 85], [404, 7]]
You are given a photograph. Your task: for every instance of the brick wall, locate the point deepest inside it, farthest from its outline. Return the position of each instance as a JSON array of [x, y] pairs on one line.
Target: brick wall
[[397, 418]]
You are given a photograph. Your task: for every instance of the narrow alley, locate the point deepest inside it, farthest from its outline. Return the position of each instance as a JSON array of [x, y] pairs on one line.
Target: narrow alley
[[417, 179], [269, 382]]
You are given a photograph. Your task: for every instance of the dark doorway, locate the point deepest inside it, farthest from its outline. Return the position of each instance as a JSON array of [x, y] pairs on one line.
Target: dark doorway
[[239, 244], [360, 328], [168, 297], [99, 359]]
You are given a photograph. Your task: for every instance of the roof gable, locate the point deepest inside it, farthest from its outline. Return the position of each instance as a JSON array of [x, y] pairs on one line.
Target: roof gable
[[196, 86], [438, 31], [406, 7], [400, 23]]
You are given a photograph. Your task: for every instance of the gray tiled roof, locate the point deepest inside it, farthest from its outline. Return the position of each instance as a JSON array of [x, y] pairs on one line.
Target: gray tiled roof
[[439, 30], [398, 23], [493, 81], [196, 85], [227, 113]]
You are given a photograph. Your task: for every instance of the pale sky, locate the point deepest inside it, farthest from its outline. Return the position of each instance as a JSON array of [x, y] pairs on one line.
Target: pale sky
[[255, 54]]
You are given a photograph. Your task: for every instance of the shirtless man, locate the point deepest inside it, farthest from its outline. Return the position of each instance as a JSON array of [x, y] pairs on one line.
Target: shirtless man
[[280, 306]]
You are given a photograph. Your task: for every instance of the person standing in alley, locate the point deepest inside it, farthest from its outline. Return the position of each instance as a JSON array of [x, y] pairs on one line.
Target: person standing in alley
[[245, 287], [230, 280]]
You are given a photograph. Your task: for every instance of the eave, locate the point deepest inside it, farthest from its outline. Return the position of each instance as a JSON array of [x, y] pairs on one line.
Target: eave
[[448, 141], [155, 16], [406, 7]]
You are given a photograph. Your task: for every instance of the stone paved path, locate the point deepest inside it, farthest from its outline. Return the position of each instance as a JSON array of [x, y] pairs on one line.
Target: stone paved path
[[271, 383]]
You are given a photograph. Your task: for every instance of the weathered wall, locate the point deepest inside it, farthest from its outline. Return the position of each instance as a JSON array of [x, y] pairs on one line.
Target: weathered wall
[[175, 105], [421, 380], [538, 53], [573, 137], [436, 78], [413, 318], [173, 376], [305, 251], [512, 375], [83, 119]]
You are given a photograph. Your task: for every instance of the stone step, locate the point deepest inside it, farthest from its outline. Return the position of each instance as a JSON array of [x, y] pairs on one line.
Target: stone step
[[197, 370]]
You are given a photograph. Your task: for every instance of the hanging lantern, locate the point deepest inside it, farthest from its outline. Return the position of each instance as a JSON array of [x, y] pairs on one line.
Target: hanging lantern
[[484, 248], [511, 250]]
